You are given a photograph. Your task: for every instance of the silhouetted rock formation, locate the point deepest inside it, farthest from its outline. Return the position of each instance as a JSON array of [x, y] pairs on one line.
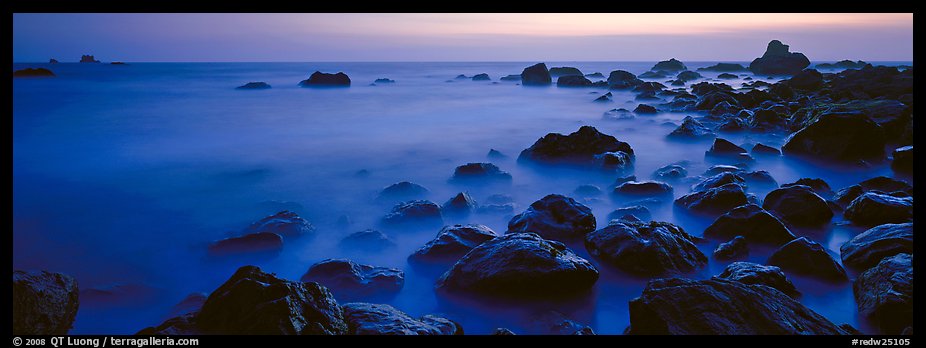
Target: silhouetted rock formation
[[777, 60]]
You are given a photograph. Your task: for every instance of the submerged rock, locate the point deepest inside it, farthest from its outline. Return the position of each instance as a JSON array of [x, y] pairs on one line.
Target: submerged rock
[[803, 256], [866, 249], [519, 265], [753, 223], [735, 249], [669, 65], [402, 191], [777, 60], [760, 149], [840, 137], [724, 148], [670, 172], [253, 243], [842, 64], [320, 79], [573, 81], [287, 224], [604, 98], [644, 189], [618, 114], [480, 172], [691, 129], [884, 294], [384, 80], [724, 67], [871, 209], [383, 319], [720, 179], [644, 109], [555, 217], [648, 249], [756, 274], [557, 71], [414, 212], [620, 79], [652, 75], [33, 72], [367, 241], [350, 281], [678, 306], [714, 201], [638, 211], [481, 77], [726, 76], [461, 204], [688, 76], [798, 205], [495, 154], [819, 186], [451, 243], [579, 148], [254, 85], [44, 303], [510, 78], [903, 159], [555, 323], [536, 75], [587, 191]]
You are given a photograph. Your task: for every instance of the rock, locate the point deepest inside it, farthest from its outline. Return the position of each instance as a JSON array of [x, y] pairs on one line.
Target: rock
[[500, 209], [503, 332], [499, 198], [623, 179], [842, 64], [252, 302], [846, 195], [647, 249], [838, 137], [555, 323], [751, 222], [649, 87], [587, 191], [678, 83], [495, 154], [691, 129], [720, 179], [254, 85], [638, 211], [777, 60], [732, 125], [480, 172], [755, 274], [644, 109], [402, 191], [33, 72], [565, 71], [647, 96], [268, 243], [903, 160], [367, 241], [809, 80], [652, 75], [192, 303], [88, 59], [118, 63], [350, 281], [735, 249], [868, 248], [462, 204], [536, 75], [52, 61], [759, 178], [384, 80], [818, 186], [803, 256], [44, 303], [643, 189], [620, 79], [555, 217], [595, 75], [798, 206], [669, 65], [481, 77], [519, 265], [872, 209], [604, 98], [383, 319], [679, 306], [761, 149], [726, 76], [579, 148], [421, 212], [573, 81], [461, 77], [320, 79], [724, 67], [287, 224], [722, 168], [511, 78], [724, 148], [714, 201], [885, 184], [614, 161], [884, 294], [688, 76], [711, 100], [451, 243], [670, 172], [723, 109]]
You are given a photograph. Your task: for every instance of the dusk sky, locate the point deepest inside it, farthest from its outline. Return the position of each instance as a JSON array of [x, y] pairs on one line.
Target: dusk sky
[[456, 37]]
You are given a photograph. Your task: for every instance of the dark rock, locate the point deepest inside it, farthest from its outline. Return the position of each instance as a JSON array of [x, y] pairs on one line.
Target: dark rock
[[638, 211], [866, 249], [581, 148], [722, 168], [903, 160], [118, 63], [499, 198], [620, 79], [839, 137], [422, 212], [500, 209], [670, 172], [842, 64], [766, 120], [595, 75], [809, 80], [777, 60], [884, 294], [511, 78], [714, 201], [52, 61], [688, 76], [451, 243], [720, 179], [33, 72], [367, 241], [190, 304], [846, 195], [623, 179], [401, 191], [519, 265], [253, 243], [254, 85], [644, 109], [383, 319], [587, 191], [350, 281], [649, 87], [604, 98], [495, 154], [555, 217], [885, 184], [320, 79], [872, 209], [384, 80], [724, 67], [287, 224], [710, 100], [462, 77], [573, 81], [818, 186], [480, 172], [724, 148], [726, 76], [461, 204], [503, 332], [536, 75], [555, 323], [761, 149], [756, 274], [679, 306], [691, 129], [648, 249], [643, 189], [565, 71], [646, 96], [753, 223], [732, 125], [481, 77], [44, 303], [798, 206], [806, 257], [669, 65], [735, 249], [722, 109], [88, 59], [759, 178]]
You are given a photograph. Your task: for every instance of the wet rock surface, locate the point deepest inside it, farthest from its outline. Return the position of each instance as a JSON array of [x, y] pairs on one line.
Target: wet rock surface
[[420, 212], [798, 205], [579, 148], [368, 240], [752, 273], [451, 243], [806, 257], [866, 249], [555, 217], [752, 222], [44, 303], [884, 293], [383, 319], [646, 249], [350, 281], [287, 224], [871, 209]]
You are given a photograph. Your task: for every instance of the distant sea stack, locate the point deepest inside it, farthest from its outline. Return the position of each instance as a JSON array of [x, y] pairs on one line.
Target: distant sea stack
[[53, 61], [536, 75], [778, 60], [254, 85], [88, 59], [320, 79]]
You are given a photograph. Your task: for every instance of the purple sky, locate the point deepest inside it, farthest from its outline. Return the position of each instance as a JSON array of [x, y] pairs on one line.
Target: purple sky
[[456, 37]]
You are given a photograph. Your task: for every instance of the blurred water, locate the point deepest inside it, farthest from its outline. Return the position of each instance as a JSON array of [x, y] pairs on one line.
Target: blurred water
[[122, 174]]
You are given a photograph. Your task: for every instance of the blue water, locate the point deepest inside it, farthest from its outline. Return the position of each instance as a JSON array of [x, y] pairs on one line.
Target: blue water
[[123, 174]]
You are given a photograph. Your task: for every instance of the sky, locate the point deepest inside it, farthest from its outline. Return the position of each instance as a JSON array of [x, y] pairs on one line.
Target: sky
[[287, 37]]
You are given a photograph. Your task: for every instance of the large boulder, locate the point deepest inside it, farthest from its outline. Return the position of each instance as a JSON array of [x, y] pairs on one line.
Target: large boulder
[[753, 223], [798, 205], [584, 147], [420, 212], [383, 319], [884, 294], [724, 148], [451, 243], [806, 257], [647, 249], [260, 243], [287, 224], [903, 159], [866, 249], [480, 172], [461, 205], [643, 189], [555, 217], [872, 209], [558, 71], [720, 179], [777, 60], [734, 249], [367, 241], [44, 303], [819, 186], [670, 172], [688, 76], [809, 79], [320, 79], [519, 265], [839, 137], [536, 75], [677, 306], [620, 79], [724, 67], [714, 201], [755, 274], [669, 65], [691, 129], [639, 212], [402, 191], [350, 281], [573, 81]]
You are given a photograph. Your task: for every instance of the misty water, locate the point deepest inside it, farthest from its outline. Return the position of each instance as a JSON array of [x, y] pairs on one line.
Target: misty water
[[122, 175]]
